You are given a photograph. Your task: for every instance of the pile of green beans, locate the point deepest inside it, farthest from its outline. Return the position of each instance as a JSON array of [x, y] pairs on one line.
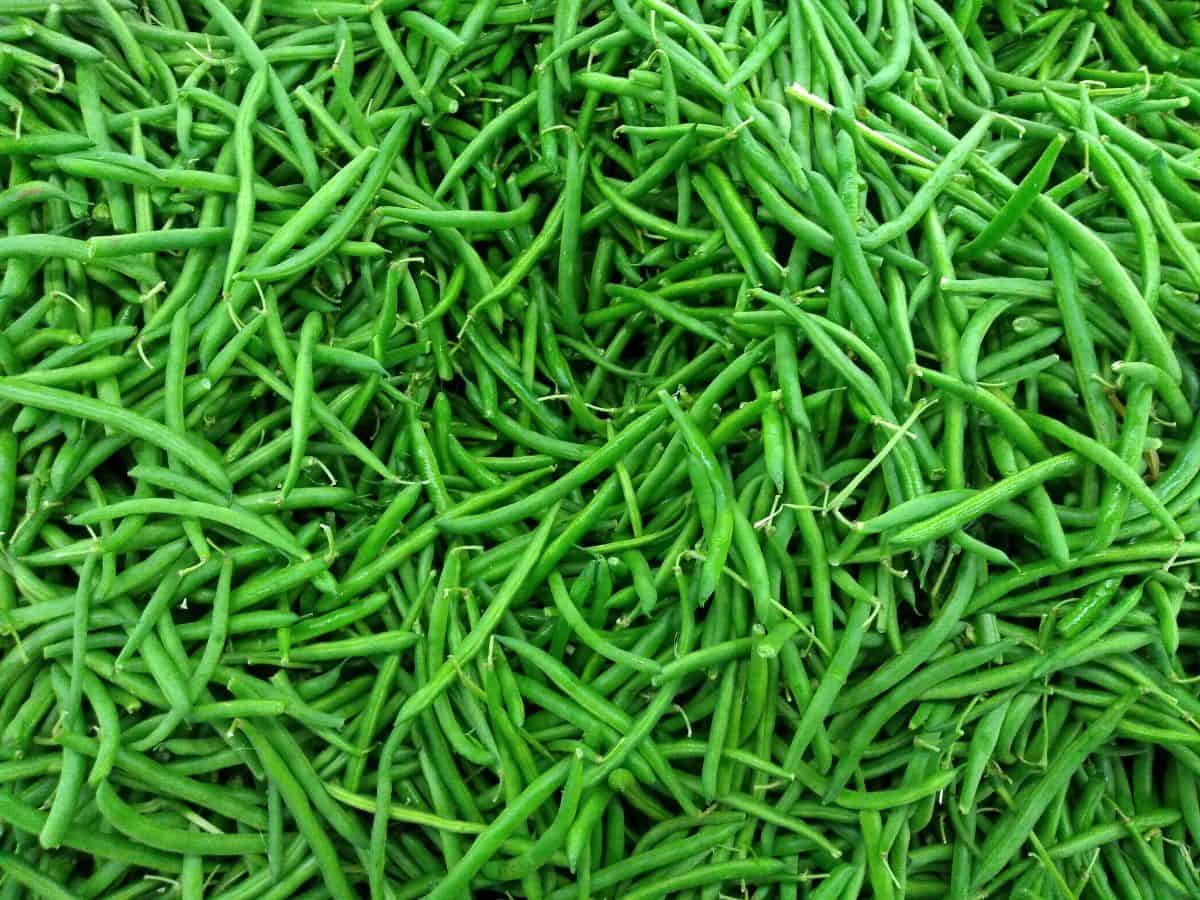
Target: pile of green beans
[[599, 449]]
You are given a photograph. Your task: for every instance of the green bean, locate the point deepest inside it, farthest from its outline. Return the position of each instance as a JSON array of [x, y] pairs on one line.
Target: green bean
[[66, 800], [880, 800], [467, 220], [478, 635], [526, 261], [900, 19], [1007, 836], [1168, 390], [233, 518], [488, 843], [307, 823], [579, 475], [765, 813], [749, 871], [149, 771], [886, 708], [252, 100], [1102, 262], [937, 180], [1112, 464], [381, 642], [1018, 204], [968, 509], [122, 420], [723, 519], [354, 209], [39, 883]]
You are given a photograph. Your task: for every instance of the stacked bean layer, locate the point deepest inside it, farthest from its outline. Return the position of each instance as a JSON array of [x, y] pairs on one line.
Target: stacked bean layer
[[619, 450]]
